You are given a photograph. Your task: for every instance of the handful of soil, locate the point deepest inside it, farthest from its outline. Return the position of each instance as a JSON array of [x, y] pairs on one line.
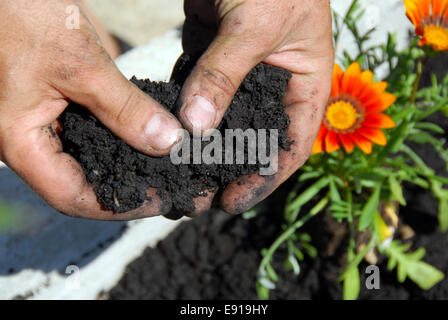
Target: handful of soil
[[121, 175]]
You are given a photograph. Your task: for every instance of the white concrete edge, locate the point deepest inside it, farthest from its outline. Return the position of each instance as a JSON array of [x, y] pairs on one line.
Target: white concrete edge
[[107, 269]]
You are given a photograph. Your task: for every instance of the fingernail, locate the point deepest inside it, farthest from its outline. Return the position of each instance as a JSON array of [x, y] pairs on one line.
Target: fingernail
[[200, 113], [162, 132]]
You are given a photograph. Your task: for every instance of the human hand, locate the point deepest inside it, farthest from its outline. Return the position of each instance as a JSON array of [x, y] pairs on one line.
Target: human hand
[[291, 34], [43, 65]]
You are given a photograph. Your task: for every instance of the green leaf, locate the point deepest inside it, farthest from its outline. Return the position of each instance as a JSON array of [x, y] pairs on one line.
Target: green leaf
[[424, 274], [310, 175], [340, 210], [440, 179], [299, 254], [442, 196], [395, 141], [409, 265], [417, 160], [334, 193], [443, 214], [268, 284], [293, 209], [403, 113], [420, 137], [321, 205], [430, 126], [352, 284], [369, 209], [271, 273], [263, 292], [396, 190], [438, 106], [250, 214], [312, 251], [293, 264]]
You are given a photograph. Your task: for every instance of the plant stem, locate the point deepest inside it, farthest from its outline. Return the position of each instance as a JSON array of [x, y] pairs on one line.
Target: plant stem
[[350, 219], [283, 237], [420, 68], [358, 258]]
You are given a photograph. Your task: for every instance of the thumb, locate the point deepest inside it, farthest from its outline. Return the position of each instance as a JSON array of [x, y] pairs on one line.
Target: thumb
[[126, 110], [209, 90]]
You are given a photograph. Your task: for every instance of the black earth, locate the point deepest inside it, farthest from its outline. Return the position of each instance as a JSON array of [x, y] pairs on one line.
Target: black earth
[[121, 175]]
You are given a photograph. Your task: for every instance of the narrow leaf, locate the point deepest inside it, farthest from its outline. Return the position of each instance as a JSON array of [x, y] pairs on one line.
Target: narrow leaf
[[352, 284], [369, 209], [396, 190]]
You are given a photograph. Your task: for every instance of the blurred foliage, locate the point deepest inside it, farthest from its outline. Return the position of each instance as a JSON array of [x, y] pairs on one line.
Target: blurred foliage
[[10, 220]]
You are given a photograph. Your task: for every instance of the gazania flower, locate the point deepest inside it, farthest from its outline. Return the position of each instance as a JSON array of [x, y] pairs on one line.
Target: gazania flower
[[353, 116], [430, 18]]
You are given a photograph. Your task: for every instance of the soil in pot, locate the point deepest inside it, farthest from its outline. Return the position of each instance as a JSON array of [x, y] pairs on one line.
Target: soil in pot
[[121, 175]]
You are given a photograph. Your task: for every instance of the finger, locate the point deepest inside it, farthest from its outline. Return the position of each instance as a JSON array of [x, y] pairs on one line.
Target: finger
[[36, 156], [210, 88], [202, 203], [123, 108], [305, 113]]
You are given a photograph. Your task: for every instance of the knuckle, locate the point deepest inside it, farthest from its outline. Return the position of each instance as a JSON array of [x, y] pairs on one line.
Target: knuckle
[[219, 79], [127, 111], [77, 65]]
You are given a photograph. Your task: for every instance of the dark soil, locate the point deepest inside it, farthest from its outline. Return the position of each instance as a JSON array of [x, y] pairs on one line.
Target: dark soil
[[216, 256], [121, 175]]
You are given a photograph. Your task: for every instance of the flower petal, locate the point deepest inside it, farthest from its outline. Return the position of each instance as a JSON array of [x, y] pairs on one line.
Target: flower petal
[[331, 142], [375, 135], [350, 80], [388, 100], [416, 10], [369, 96], [380, 87], [381, 104], [318, 146], [378, 120], [348, 144], [424, 8], [438, 7], [363, 144], [367, 77], [412, 11], [444, 12], [336, 80]]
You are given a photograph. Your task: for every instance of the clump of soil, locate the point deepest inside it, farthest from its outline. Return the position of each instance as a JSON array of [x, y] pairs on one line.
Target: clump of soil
[[121, 175]]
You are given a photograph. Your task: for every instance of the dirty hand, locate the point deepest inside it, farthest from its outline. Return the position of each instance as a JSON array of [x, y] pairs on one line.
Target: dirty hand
[[43, 65], [238, 34]]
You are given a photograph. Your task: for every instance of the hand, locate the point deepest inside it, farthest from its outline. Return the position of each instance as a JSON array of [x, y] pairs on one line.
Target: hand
[[292, 34], [43, 65]]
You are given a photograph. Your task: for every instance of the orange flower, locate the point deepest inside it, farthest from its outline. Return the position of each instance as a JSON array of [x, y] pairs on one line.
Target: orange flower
[[430, 18], [353, 116]]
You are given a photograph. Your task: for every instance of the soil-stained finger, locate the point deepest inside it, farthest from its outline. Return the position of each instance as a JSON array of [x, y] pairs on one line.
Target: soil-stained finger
[[306, 117], [37, 157], [202, 203]]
